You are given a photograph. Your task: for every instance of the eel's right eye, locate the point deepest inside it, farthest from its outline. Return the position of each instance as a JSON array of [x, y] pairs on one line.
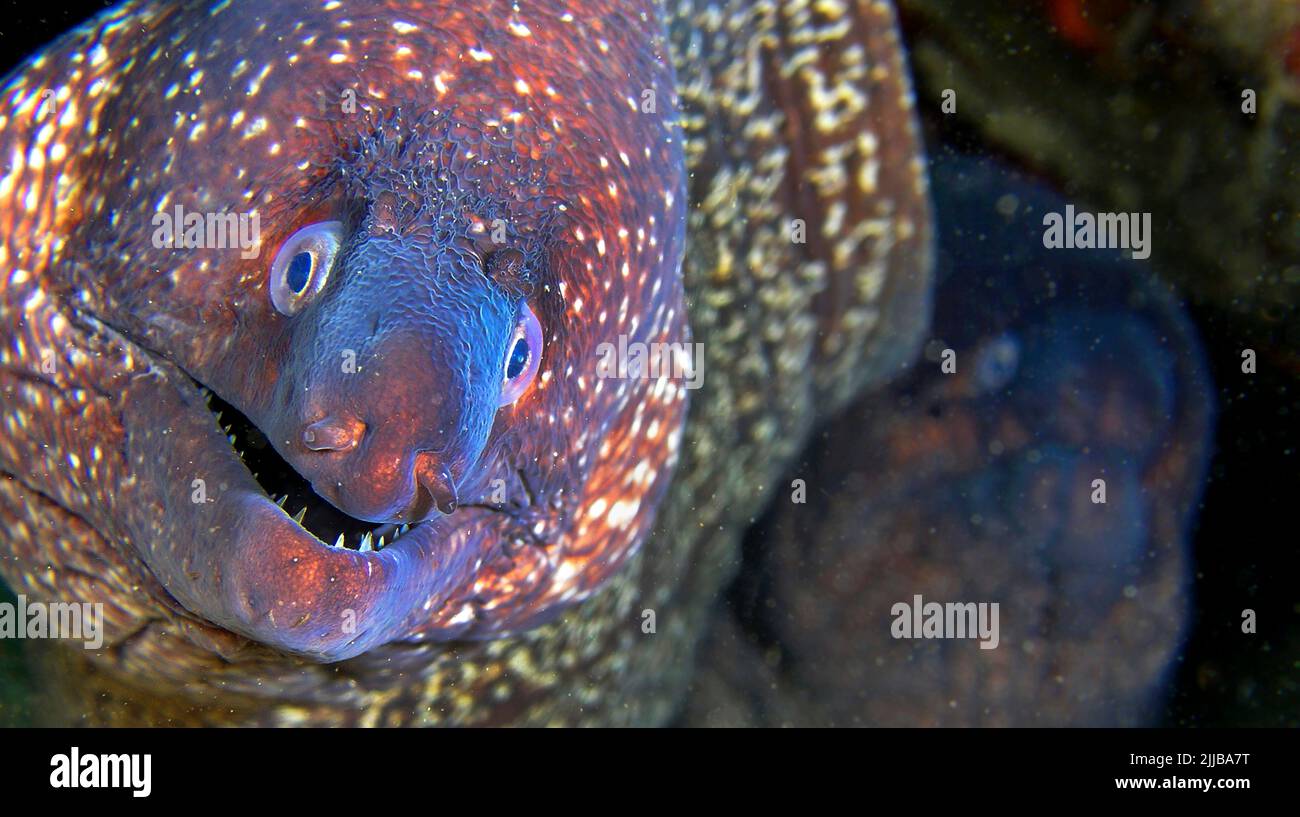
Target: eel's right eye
[[302, 266], [523, 357]]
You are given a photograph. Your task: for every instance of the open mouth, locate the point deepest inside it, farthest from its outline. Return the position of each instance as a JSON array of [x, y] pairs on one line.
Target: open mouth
[[294, 494]]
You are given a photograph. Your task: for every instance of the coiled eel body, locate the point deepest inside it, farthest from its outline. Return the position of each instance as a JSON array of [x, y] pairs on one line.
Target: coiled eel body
[[745, 177]]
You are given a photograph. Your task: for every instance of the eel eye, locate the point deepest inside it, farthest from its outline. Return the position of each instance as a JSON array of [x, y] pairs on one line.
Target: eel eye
[[523, 356], [302, 266]]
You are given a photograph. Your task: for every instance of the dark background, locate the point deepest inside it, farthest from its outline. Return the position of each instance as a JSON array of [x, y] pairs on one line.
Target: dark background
[[1245, 543]]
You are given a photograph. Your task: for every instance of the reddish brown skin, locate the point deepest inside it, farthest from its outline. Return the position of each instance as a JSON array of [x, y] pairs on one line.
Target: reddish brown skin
[[791, 331], [242, 110]]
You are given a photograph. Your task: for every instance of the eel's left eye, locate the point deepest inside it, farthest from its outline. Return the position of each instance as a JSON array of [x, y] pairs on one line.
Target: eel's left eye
[[302, 266], [523, 356]]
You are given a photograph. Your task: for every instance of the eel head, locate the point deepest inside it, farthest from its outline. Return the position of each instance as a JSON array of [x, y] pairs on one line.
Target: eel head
[[453, 208]]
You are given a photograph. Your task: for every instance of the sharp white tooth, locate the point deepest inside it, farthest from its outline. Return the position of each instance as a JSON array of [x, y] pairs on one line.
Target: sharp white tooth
[[231, 438], [338, 543], [300, 514], [282, 500], [380, 545], [365, 544]]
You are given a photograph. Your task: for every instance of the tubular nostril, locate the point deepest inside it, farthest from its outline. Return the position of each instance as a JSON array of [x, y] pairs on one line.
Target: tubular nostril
[[436, 479], [332, 434]]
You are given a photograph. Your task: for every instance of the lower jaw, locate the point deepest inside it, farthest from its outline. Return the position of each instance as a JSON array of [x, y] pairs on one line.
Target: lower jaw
[[288, 489]]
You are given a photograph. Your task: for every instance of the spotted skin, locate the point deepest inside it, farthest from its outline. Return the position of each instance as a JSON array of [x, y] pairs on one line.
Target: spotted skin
[[222, 613], [978, 486]]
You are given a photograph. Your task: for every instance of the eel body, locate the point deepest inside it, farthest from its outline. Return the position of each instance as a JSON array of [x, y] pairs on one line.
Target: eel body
[[1053, 469], [438, 219]]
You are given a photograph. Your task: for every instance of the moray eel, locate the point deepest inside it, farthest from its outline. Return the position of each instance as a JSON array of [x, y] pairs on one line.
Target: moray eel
[[373, 334], [459, 205], [980, 485]]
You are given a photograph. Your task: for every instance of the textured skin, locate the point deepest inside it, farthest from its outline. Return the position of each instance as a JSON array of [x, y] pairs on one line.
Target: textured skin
[[789, 113], [977, 486]]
